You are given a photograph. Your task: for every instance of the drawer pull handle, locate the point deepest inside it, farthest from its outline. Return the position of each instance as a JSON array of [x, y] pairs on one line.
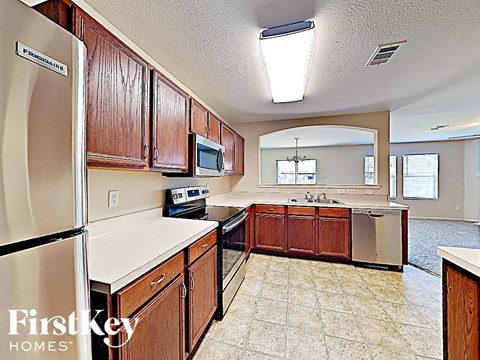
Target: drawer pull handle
[[156, 282], [184, 291], [205, 245]]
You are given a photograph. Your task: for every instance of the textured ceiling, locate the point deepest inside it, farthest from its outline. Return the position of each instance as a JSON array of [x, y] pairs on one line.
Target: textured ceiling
[[213, 48], [310, 136]]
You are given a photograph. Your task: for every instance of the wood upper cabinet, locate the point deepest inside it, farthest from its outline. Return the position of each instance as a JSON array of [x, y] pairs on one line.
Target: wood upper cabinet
[[213, 128], [239, 155], [203, 296], [169, 128], [461, 313], [334, 238], [117, 98], [160, 332], [198, 119], [270, 232], [301, 235], [228, 140]]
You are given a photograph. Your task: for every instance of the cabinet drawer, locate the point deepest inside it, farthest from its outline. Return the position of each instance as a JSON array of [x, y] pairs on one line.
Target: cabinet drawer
[[301, 210], [134, 295], [271, 209], [334, 212], [200, 247]]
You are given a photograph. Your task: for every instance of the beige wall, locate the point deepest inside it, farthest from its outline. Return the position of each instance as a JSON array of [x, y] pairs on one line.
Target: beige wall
[[472, 180], [139, 190], [451, 179], [380, 122], [339, 164]]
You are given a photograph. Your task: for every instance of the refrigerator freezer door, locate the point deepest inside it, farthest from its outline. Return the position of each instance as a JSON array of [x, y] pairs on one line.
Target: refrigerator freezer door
[[42, 121], [52, 280]]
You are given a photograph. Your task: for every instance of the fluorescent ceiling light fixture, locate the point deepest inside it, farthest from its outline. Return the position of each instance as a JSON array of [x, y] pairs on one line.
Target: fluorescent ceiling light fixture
[[287, 53]]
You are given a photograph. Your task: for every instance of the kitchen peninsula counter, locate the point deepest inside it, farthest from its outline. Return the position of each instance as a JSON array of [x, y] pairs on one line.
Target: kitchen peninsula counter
[[124, 248], [245, 199]]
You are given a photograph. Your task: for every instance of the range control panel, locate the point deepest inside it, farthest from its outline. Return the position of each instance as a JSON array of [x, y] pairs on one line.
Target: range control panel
[[186, 194]]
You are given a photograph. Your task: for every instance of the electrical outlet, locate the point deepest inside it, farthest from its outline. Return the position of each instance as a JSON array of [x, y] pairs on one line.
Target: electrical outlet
[[273, 190], [113, 198], [323, 176], [340, 191], [369, 192], [457, 208], [351, 191]]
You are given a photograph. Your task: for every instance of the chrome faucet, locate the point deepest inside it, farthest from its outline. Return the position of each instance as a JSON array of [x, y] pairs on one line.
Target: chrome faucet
[[321, 197], [309, 196]]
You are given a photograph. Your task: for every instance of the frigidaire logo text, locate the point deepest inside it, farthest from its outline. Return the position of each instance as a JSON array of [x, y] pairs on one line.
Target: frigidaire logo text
[[41, 58], [26, 322]]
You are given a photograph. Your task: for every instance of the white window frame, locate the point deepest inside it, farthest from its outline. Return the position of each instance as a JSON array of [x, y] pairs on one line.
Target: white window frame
[[435, 178], [296, 172], [369, 177]]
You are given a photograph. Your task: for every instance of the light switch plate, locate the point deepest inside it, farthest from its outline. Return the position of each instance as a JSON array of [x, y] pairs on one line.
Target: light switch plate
[[369, 192], [113, 198], [340, 191], [351, 191]]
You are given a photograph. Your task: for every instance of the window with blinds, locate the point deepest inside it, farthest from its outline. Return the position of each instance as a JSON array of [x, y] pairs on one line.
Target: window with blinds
[[305, 172], [369, 173], [420, 176]]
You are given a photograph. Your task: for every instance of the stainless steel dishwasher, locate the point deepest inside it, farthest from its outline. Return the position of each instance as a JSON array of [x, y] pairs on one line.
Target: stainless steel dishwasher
[[377, 237]]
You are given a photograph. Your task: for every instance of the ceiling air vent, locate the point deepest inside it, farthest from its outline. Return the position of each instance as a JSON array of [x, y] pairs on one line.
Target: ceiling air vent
[[383, 53]]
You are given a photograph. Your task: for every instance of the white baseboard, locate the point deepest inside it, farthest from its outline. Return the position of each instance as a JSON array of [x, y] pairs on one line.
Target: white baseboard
[[441, 218]]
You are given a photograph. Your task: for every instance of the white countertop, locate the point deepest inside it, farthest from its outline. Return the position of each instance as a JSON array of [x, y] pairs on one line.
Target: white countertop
[[468, 259], [247, 199], [118, 257]]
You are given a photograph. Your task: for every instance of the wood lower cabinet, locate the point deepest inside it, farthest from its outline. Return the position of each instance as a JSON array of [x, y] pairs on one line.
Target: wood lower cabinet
[[461, 314], [203, 296], [313, 232], [169, 126], [160, 332], [334, 238], [270, 232], [250, 230], [301, 235], [117, 98]]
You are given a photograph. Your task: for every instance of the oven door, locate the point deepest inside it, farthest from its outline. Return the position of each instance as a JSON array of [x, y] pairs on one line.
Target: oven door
[[209, 157], [233, 247]]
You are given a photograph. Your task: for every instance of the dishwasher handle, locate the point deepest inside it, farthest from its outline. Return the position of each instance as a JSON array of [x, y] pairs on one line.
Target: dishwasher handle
[[376, 216]]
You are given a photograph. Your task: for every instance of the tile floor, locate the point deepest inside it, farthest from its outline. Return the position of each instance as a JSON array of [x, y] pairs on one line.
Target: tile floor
[[300, 309]]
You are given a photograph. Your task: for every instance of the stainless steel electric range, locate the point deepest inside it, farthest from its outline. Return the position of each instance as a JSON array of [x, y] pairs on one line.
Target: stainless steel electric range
[[190, 203]]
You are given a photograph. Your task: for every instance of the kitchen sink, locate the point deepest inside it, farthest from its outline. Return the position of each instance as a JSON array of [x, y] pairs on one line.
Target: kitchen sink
[[321, 201]]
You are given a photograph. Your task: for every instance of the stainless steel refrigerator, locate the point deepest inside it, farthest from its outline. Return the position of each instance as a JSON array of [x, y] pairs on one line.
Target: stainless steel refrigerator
[[43, 266]]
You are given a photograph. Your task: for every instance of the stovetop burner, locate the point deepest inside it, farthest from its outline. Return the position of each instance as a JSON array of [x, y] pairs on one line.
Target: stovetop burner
[[221, 213]]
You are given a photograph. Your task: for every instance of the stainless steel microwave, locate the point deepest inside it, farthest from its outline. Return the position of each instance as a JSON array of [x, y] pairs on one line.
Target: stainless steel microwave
[[208, 157]]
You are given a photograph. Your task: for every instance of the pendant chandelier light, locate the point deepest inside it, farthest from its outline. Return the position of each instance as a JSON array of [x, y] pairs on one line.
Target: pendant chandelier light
[[296, 158]]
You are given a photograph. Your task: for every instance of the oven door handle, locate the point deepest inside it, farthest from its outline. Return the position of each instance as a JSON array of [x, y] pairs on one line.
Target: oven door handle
[[234, 225]]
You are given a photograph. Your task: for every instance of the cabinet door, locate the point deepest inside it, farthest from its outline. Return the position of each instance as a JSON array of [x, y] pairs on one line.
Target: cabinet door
[[334, 238], [169, 126], [301, 235], [213, 128], [239, 154], [117, 98], [58, 11], [269, 232], [461, 314], [228, 140], [203, 294], [160, 332], [198, 119]]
